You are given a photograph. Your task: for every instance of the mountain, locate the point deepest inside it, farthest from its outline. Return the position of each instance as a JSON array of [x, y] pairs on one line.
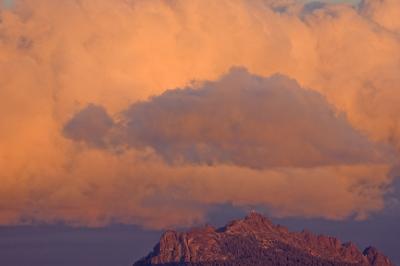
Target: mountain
[[256, 241]]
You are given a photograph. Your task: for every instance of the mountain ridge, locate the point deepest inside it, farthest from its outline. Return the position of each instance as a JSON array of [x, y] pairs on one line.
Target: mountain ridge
[[255, 240]]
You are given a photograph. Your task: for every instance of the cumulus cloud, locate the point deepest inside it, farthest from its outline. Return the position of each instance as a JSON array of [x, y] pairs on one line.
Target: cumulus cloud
[[99, 188], [56, 57], [240, 119], [384, 12], [90, 124]]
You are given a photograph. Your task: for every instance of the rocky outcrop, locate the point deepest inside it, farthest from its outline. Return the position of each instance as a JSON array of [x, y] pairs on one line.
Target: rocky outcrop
[[255, 240], [375, 257]]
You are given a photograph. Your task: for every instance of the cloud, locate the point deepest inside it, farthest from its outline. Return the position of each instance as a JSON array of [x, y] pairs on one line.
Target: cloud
[[100, 187], [240, 119], [90, 124], [57, 57], [384, 13]]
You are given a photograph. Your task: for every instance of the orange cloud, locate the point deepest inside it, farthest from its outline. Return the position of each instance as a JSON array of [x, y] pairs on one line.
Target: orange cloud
[[384, 13], [56, 57]]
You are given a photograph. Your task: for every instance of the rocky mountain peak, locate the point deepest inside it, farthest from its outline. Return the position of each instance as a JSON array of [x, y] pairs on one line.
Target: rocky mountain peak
[[255, 240]]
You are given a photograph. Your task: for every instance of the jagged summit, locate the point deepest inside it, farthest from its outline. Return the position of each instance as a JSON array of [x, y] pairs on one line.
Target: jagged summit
[[255, 240], [256, 218]]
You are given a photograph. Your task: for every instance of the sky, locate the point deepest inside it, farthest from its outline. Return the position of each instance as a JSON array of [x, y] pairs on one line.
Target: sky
[[138, 116]]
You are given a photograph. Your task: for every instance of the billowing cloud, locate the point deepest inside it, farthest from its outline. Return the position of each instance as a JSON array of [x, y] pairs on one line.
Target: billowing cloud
[[57, 57], [241, 119], [91, 125], [385, 13]]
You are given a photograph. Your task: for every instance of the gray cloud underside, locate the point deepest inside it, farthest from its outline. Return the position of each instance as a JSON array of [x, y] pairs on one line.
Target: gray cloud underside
[[239, 119]]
